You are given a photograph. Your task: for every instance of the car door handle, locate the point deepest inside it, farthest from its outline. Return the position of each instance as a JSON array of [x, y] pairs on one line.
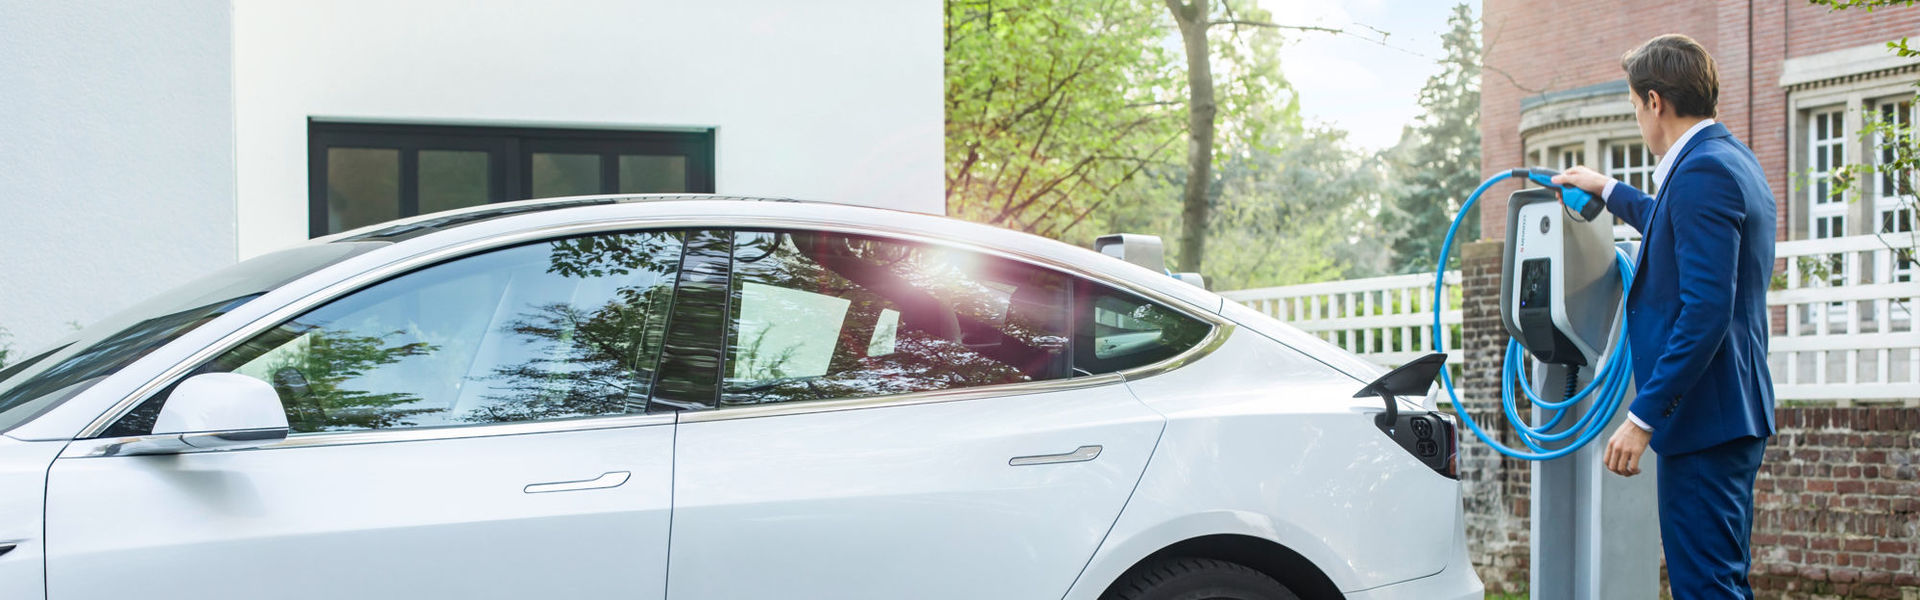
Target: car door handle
[[1081, 454], [608, 480]]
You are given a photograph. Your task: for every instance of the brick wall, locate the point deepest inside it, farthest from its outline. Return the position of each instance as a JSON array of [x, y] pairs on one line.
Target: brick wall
[[1837, 505], [1494, 489], [1749, 40], [1753, 104], [1534, 47]]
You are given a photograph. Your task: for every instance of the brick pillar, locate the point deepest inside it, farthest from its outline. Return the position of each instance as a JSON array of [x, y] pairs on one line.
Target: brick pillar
[[1494, 488]]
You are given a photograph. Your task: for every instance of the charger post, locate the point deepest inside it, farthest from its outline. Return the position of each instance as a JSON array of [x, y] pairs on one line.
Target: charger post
[[1593, 535]]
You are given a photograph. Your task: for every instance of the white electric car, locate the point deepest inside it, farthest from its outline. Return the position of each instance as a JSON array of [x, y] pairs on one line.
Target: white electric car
[[700, 398]]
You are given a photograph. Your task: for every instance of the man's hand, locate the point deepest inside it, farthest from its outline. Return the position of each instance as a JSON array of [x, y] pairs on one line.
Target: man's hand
[[1584, 178], [1625, 447]]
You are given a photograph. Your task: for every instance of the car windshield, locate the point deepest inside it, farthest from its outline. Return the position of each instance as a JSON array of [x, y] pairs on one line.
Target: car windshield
[[42, 382]]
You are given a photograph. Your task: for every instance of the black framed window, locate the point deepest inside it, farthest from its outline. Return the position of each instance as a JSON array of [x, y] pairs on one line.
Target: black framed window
[[365, 173]]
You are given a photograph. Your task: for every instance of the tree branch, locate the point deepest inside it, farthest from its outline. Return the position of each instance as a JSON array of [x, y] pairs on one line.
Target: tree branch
[[1238, 22]]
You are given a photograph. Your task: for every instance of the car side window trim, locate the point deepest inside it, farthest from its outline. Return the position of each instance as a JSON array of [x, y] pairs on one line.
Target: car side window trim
[[142, 391], [694, 353]]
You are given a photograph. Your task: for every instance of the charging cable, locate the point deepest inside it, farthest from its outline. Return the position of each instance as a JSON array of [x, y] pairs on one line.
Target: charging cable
[[1608, 387]]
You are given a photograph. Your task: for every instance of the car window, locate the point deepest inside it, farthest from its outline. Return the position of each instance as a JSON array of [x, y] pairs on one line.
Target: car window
[[1120, 331], [817, 316], [552, 330]]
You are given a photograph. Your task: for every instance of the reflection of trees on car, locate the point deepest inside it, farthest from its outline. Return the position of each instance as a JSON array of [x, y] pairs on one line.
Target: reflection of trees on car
[[654, 252], [589, 361], [315, 380], [586, 362]]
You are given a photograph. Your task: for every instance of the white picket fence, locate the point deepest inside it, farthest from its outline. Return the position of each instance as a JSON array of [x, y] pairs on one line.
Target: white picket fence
[[1843, 326], [1847, 334], [1388, 320]]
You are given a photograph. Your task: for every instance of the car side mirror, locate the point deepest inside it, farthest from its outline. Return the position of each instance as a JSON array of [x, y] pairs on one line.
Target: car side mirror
[[216, 411]]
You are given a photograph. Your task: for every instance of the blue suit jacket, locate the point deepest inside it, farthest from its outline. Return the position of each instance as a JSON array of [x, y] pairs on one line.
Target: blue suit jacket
[[1697, 313]]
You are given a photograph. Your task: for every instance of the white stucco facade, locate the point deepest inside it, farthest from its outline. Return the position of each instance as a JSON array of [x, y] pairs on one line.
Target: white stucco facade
[[202, 109], [116, 157]]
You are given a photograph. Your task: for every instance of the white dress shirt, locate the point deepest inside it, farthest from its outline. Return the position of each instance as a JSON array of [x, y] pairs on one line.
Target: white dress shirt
[[1660, 172]]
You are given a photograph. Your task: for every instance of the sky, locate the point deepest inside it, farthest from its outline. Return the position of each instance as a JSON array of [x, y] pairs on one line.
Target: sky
[[1361, 86]]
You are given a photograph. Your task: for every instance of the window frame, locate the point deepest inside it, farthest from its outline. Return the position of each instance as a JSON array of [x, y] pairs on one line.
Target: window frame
[[509, 151], [1628, 172], [1556, 137]]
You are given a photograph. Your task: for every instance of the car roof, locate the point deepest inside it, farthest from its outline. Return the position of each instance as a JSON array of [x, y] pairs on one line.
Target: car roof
[[707, 210]]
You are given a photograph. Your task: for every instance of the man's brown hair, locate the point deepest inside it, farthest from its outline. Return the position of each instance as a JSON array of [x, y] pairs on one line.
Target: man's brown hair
[[1678, 68]]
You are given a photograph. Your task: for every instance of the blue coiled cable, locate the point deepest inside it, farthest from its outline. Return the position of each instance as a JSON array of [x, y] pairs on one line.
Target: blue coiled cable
[[1609, 386]]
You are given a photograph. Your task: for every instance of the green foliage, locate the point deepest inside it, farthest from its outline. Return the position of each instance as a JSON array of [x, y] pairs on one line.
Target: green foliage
[[1869, 5], [1065, 119], [1053, 107], [1438, 161], [1258, 107], [324, 368], [1300, 213]]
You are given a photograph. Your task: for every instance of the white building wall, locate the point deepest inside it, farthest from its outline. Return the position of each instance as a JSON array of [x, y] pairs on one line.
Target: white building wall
[[116, 157], [835, 100]]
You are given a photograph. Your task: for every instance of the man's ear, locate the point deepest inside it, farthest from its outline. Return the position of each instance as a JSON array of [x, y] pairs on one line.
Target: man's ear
[[1656, 104]]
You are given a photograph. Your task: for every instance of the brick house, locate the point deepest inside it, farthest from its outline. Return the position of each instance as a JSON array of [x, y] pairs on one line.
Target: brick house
[[1837, 509]]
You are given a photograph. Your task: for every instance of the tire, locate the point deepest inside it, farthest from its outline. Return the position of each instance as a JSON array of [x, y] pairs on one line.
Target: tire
[[1196, 579]]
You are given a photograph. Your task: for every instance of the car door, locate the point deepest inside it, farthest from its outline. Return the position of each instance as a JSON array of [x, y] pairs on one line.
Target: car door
[[473, 429], [898, 420]]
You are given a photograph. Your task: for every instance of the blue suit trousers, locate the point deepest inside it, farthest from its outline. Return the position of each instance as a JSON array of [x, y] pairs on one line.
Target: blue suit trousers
[[1706, 518]]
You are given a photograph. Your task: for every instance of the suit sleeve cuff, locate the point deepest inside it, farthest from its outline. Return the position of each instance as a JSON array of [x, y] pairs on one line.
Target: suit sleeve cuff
[[1633, 417], [1606, 194]]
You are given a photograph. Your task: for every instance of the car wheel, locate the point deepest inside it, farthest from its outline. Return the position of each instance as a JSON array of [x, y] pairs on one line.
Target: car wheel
[[1197, 579]]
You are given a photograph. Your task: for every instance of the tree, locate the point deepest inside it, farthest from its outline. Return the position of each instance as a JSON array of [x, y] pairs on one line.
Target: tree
[[1289, 204], [1443, 165], [1306, 211], [1052, 108], [1251, 72], [1193, 19]]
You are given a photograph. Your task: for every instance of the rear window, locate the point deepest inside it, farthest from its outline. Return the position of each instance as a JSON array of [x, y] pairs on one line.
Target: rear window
[[1120, 331]]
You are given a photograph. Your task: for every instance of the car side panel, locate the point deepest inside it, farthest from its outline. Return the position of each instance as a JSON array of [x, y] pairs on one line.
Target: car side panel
[[912, 501], [1265, 442], [23, 479], [435, 518], [1457, 581]]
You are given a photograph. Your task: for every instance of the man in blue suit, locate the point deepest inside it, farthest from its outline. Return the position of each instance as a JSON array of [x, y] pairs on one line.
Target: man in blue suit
[[1696, 318]]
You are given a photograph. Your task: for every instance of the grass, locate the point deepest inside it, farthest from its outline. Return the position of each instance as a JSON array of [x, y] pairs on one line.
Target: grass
[[1507, 596]]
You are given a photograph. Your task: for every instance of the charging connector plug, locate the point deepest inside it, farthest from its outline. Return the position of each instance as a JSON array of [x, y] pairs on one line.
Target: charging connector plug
[[1588, 206]]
